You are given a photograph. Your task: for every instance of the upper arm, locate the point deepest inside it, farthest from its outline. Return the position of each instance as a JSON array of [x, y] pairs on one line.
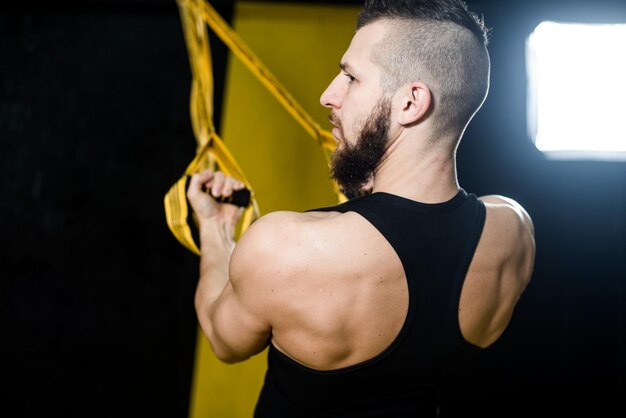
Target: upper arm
[[512, 240], [236, 332], [240, 319], [500, 271]]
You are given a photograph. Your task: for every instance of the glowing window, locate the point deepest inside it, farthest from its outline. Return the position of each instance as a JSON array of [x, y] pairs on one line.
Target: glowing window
[[577, 90]]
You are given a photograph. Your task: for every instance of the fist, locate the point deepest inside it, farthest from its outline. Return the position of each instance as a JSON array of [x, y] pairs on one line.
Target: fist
[[216, 184]]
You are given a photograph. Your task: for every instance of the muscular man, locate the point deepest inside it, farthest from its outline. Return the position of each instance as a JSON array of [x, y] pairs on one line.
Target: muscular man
[[367, 307]]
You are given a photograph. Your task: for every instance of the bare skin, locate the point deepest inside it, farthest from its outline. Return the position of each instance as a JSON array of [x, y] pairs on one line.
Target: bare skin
[[325, 287]]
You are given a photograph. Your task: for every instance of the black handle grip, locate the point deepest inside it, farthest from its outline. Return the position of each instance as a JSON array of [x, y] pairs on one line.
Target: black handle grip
[[239, 198]]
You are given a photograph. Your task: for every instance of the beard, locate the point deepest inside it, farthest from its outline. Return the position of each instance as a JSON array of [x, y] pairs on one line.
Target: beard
[[353, 165]]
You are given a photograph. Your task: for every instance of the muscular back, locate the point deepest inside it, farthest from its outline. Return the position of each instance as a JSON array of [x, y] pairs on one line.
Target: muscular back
[[334, 293]]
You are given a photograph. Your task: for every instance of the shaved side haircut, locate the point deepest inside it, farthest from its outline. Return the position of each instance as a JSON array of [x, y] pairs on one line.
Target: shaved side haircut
[[439, 43]]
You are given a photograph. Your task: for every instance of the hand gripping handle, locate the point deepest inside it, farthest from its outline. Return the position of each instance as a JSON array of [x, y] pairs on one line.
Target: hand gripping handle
[[239, 198]]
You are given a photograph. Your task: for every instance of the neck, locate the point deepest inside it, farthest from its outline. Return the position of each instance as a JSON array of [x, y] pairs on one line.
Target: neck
[[427, 176]]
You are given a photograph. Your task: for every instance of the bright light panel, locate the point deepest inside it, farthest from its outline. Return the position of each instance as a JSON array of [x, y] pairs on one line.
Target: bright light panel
[[577, 90]]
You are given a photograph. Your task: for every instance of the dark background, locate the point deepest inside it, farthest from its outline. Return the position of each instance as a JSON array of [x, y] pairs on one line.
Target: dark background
[[96, 296]]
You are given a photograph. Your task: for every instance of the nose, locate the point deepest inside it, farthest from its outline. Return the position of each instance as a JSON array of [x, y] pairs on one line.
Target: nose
[[332, 96]]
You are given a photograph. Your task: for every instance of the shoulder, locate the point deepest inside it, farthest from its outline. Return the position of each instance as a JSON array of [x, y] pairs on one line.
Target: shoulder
[[267, 244], [510, 234], [508, 211], [283, 255], [285, 237], [283, 246], [277, 251], [263, 260], [275, 236]]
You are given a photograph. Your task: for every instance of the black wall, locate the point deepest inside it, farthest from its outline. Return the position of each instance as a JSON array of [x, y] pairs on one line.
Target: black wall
[[96, 295], [566, 342]]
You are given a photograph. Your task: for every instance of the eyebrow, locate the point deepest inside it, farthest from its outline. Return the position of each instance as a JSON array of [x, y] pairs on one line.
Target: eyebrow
[[345, 66]]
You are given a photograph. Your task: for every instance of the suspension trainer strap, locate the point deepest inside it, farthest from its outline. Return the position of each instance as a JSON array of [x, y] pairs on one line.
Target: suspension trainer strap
[[211, 151]]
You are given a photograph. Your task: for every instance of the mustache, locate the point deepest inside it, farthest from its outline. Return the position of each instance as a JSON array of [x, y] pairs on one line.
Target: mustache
[[334, 119]]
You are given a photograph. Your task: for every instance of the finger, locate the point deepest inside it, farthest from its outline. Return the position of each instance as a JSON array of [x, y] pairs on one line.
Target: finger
[[218, 184], [205, 175], [197, 181], [237, 185], [228, 186]]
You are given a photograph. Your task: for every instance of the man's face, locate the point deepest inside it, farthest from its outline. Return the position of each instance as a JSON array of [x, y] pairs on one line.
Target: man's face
[[359, 112]]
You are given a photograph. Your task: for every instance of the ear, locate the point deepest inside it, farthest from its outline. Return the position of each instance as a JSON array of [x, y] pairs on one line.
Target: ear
[[415, 102]]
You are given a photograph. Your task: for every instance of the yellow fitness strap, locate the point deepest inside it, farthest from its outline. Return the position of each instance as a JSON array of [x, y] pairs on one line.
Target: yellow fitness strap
[[211, 151]]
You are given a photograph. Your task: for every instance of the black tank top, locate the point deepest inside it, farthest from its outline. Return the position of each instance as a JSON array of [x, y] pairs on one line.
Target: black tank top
[[435, 243]]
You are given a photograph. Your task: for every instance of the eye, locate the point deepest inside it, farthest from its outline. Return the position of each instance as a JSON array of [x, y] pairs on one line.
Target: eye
[[351, 79]]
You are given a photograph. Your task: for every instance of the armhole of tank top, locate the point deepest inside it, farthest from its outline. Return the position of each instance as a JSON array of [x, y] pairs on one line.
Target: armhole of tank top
[[397, 244], [365, 207], [459, 280]]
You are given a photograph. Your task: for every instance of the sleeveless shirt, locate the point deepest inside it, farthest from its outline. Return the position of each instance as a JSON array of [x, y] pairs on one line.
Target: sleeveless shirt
[[435, 243]]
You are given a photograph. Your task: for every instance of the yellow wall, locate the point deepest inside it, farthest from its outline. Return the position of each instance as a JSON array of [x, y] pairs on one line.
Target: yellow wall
[[302, 46]]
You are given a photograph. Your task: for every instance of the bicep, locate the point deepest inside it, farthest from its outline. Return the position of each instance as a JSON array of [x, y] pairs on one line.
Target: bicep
[[238, 332], [262, 263], [239, 322]]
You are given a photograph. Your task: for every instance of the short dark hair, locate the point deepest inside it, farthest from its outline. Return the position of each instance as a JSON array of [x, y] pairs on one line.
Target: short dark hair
[[452, 11], [438, 42]]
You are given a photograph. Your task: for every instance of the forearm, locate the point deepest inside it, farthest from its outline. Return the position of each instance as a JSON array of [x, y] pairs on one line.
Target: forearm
[[216, 246], [216, 224]]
